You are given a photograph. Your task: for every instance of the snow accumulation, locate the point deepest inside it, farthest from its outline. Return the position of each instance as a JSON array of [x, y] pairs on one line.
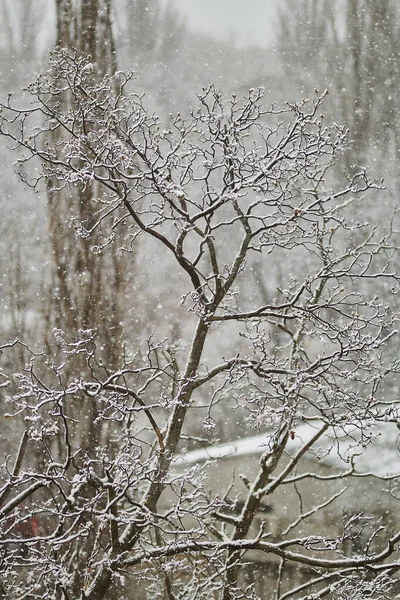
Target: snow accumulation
[[376, 452]]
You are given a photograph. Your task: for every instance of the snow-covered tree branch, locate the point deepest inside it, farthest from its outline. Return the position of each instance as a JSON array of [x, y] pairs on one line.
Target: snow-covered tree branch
[[215, 196]]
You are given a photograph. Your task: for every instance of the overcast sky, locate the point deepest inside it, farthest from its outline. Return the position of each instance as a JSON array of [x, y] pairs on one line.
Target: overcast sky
[[249, 21]]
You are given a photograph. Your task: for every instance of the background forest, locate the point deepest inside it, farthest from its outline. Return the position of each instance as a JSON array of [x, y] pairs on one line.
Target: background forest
[[273, 301]]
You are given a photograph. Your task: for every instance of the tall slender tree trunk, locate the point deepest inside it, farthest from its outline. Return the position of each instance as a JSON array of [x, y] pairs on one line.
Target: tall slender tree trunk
[[87, 289]]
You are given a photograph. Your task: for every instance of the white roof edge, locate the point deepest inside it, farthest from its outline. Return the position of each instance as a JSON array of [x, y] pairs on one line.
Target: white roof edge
[[379, 454]]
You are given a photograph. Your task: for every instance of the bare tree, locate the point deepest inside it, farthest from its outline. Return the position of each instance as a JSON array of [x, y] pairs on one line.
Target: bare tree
[[235, 178]]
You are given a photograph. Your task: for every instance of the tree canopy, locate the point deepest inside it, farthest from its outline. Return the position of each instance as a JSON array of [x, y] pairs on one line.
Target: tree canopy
[[234, 189]]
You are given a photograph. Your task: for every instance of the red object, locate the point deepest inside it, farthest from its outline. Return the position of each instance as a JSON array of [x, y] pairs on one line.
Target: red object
[[35, 526]]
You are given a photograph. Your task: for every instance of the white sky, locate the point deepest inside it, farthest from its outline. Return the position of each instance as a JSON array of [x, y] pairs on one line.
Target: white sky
[[249, 21]]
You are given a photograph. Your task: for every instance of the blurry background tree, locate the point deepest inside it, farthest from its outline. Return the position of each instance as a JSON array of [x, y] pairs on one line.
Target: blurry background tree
[[150, 37], [87, 289], [351, 49], [24, 252], [20, 227]]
